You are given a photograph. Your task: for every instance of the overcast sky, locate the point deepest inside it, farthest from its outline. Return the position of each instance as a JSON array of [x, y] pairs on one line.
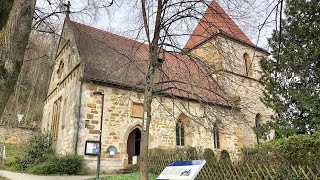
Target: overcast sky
[[123, 16]]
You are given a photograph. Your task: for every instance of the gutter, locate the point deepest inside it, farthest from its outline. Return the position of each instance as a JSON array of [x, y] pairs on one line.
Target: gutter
[[78, 120]]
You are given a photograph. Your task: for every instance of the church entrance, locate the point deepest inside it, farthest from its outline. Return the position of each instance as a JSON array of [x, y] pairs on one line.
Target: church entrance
[[133, 144]]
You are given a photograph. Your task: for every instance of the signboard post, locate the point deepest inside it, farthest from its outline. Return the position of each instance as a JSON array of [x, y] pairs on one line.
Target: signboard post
[[182, 170]]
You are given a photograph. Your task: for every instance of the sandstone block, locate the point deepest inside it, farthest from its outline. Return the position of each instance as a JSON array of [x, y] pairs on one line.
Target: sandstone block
[[89, 116], [94, 131], [91, 105], [94, 122]]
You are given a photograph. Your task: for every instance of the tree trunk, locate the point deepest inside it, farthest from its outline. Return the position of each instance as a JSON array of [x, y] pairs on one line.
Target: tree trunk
[[148, 95], [13, 42]]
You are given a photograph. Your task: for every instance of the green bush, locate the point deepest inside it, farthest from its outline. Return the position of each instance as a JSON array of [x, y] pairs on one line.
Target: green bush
[[294, 150], [68, 164], [184, 153], [37, 151], [261, 154], [208, 155], [224, 155]]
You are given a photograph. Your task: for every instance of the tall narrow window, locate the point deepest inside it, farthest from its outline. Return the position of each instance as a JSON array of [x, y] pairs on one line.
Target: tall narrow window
[[258, 122], [179, 133], [65, 107], [55, 119], [248, 65], [216, 136]]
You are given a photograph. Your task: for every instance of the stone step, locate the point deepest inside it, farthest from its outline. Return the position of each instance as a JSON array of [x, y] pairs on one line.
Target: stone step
[[126, 170]]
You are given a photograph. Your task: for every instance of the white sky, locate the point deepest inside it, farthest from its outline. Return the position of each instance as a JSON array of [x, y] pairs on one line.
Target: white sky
[[122, 17]]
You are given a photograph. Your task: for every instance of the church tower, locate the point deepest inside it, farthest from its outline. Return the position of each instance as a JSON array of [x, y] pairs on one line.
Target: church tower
[[233, 61]]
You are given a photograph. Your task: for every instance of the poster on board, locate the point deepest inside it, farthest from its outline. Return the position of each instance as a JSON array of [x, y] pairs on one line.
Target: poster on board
[[184, 170], [92, 148]]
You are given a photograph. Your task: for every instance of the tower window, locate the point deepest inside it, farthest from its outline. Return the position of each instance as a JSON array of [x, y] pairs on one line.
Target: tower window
[[248, 65], [258, 120]]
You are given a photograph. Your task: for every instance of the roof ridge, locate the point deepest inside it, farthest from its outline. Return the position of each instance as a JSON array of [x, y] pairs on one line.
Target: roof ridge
[[213, 21], [104, 31]]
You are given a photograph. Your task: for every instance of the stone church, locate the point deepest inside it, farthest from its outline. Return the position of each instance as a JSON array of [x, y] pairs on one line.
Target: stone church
[[206, 96]]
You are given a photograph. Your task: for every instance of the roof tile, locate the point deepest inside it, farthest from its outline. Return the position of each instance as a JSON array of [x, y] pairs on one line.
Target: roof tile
[[215, 20], [114, 59]]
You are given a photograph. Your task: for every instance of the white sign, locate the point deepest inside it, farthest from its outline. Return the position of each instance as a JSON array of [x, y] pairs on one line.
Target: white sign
[[182, 170], [145, 119], [20, 117]]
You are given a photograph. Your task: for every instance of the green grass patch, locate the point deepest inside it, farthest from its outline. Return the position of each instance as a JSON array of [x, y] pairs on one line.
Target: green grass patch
[[130, 176], [12, 151], [3, 178]]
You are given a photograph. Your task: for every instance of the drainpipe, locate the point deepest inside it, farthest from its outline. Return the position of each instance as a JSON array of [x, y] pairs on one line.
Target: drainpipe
[[78, 120]]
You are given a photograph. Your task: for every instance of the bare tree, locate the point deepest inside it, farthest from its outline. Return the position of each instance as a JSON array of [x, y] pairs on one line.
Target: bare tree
[[16, 25], [161, 20]]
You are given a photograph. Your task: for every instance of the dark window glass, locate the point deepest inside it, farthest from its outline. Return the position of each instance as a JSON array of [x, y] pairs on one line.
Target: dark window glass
[[179, 134], [216, 136]]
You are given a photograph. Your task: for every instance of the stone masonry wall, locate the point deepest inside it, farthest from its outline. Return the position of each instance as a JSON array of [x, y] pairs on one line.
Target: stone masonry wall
[[118, 123], [15, 135], [65, 85], [230, 73]]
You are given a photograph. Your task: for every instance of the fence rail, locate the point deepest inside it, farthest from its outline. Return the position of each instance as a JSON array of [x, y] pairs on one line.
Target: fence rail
[[236, 171]]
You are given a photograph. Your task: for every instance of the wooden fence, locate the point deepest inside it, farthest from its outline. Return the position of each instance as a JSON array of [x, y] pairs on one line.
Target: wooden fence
[[235, 171]]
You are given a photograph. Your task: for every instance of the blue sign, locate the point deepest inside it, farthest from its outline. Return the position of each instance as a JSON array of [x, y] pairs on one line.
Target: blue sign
[[182, 170]]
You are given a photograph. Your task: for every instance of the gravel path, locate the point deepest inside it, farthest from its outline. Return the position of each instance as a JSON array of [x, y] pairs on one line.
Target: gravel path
[[22, 176]]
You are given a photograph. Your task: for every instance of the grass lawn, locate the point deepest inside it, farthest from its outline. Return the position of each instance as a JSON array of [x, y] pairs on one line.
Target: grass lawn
[[12, 151], [130, 176], [3, 178]]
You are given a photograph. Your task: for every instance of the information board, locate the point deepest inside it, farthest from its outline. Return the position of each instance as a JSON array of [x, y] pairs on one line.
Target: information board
[[182, 170]]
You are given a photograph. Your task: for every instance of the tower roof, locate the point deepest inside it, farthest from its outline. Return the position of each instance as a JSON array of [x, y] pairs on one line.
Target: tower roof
[[214, 21]]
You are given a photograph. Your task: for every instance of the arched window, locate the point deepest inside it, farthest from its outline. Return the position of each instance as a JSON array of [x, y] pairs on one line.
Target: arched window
[[248, 65], [179, 133], [258, 120], [216, 136]]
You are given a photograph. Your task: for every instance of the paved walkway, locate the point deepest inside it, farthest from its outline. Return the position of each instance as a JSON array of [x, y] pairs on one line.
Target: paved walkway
[[22, 176]]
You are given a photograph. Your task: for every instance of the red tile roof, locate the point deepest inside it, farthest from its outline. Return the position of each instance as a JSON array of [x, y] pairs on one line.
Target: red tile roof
[[116, 60], [214, 21]]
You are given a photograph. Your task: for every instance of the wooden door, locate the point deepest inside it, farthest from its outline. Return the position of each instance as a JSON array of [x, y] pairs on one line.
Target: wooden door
[[131, 146]]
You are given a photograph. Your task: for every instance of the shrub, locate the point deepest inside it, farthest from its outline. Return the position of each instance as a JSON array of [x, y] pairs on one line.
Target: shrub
[[294, 150], [185, 153], [261, 154], [37, 151], [68, 164], [208, 155], [224, 155]]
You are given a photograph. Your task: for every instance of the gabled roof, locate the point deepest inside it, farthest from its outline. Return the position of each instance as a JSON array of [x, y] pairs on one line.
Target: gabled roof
[[216, 21], [112, 59]]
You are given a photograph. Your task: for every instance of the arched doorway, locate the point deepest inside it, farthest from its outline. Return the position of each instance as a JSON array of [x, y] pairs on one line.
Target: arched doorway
[[133, 144]]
